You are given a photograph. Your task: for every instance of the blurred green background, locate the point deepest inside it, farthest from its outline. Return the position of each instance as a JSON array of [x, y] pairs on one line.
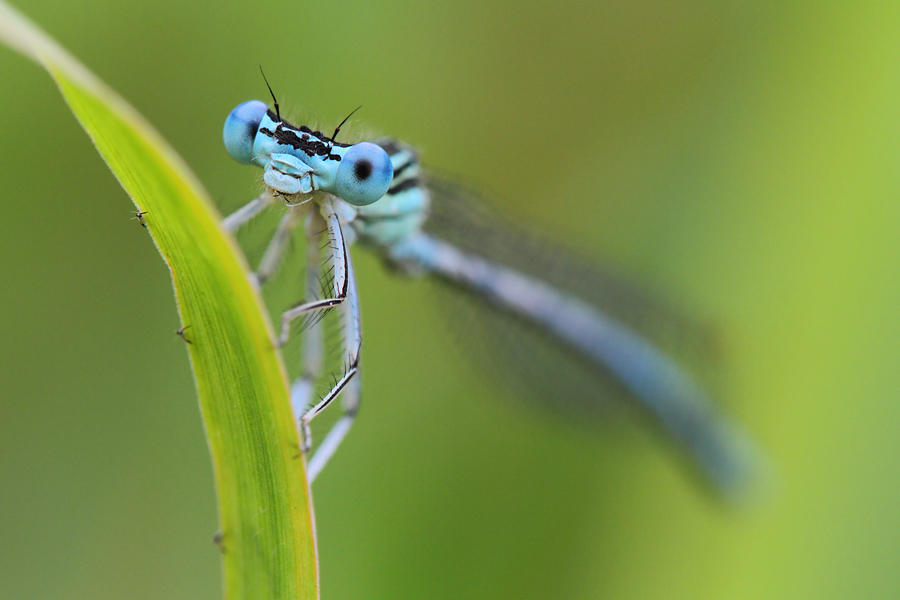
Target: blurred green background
[[742, 156]]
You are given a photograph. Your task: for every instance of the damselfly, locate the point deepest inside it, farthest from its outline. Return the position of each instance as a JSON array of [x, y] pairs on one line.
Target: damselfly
[[376, 194]]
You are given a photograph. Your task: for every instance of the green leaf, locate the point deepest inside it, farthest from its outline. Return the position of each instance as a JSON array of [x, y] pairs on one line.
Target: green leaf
[[265, 510]]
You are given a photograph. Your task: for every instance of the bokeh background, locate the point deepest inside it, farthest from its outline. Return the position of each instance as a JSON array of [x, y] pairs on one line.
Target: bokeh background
[[742, 156]]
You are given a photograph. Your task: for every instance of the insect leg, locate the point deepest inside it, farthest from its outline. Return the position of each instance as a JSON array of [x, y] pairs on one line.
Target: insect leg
[[235, 220], [271, 260], [350, 382], [338, 431], [303, 387], [340, 258]]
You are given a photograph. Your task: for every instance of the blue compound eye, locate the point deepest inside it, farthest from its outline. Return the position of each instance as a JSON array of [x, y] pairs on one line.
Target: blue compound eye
[[240, 129], [364, 175]]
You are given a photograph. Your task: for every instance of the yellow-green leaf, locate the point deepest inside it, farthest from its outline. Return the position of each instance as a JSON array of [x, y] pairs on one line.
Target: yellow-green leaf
[[267, 535]]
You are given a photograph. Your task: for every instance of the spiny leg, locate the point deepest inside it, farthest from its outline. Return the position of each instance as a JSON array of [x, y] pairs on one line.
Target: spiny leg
[[344, 286], [349, 383], [339, 259], [338, 431], [238, 218], [304, 386]]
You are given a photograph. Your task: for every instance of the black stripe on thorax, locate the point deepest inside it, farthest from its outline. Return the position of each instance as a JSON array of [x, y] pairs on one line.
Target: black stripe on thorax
[[404, 185]]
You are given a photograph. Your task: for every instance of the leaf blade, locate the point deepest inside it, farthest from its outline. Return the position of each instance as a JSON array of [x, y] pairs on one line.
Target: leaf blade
[[265, 508]]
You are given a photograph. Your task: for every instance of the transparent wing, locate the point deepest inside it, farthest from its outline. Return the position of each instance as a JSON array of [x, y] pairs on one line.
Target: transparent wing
[[551, 370], [467, 220]]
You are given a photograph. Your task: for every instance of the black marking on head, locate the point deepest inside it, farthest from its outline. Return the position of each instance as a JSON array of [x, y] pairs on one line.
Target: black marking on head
[[404, 185], [286, 134], [362, 170]]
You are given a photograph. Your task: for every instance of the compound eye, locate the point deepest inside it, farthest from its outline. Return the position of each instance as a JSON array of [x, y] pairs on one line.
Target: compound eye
[[364, 175], [240, 129]]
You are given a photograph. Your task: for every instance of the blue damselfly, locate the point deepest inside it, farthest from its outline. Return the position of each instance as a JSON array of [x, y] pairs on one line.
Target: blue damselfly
[[377, 195]]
